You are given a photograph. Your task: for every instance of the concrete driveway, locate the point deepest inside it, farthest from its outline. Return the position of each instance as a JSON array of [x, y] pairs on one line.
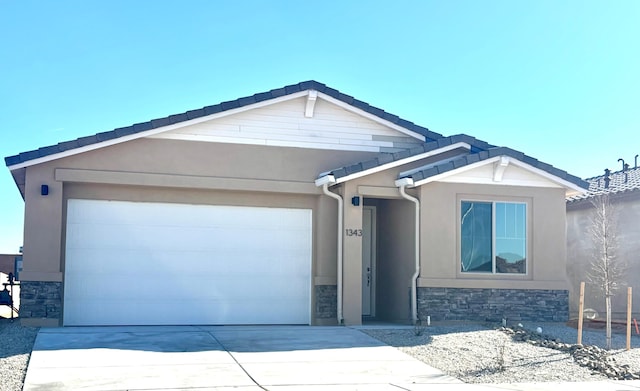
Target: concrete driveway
[[222, 357]]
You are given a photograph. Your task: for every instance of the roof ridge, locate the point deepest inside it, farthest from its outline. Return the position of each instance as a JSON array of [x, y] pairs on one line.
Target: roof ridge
[[615, 172]]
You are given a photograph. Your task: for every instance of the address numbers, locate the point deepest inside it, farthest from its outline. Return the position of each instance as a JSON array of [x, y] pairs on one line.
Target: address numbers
[[353, 232]]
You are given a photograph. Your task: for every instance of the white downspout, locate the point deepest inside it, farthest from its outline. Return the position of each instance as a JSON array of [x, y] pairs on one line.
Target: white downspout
[[325, 188], [402, 183]]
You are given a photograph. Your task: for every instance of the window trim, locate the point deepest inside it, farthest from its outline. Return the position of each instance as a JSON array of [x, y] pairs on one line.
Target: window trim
[[529, 237]]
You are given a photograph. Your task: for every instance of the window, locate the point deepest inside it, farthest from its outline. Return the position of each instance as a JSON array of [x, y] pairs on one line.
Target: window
[[493, 237]]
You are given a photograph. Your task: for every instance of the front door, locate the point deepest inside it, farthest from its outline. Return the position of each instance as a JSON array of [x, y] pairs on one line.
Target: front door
[[368, 260]]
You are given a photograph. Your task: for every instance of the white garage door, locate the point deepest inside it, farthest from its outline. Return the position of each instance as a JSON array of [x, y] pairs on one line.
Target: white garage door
[[130, 263]]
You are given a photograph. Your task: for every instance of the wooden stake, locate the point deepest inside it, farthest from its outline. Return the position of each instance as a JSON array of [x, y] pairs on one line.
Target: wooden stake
[[629, 298], [580, 313]]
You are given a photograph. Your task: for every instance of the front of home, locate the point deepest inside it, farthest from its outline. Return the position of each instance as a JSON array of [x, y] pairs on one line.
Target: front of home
[[301, 205]]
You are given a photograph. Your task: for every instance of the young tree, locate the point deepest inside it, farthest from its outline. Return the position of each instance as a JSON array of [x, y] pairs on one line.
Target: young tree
[[607, 270]]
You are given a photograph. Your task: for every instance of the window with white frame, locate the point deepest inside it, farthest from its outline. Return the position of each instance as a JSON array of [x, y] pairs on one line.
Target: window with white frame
[[493, 237]]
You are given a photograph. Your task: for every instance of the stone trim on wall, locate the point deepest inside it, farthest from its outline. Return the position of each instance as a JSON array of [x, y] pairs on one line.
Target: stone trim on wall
[[40, 299], [326, 301], [476, 304]]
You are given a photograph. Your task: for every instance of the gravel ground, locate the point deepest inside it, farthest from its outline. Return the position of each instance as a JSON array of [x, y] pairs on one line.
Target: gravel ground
[[15, 348], [479, 354]]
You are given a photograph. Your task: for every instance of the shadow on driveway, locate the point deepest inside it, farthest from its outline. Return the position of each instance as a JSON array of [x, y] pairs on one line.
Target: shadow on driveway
[[204, 338]]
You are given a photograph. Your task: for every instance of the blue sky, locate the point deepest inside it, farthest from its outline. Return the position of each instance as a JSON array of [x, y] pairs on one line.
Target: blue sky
[[558, 80]]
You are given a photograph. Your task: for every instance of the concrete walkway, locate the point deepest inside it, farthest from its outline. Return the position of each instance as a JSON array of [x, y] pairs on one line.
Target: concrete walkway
[[276, 358], [219, 358]]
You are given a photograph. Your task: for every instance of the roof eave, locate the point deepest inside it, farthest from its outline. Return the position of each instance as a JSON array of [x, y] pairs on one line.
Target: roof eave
[[570, 187], [399, 162]]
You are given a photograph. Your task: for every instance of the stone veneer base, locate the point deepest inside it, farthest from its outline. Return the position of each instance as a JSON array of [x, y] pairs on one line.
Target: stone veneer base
[[493, 305], [326, 301], [40, 299]]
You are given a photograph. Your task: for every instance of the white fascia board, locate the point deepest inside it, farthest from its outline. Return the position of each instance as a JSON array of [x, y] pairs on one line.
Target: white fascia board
[[400, 162], [155, 131], [438, 177], [371, 117], [571, 188]]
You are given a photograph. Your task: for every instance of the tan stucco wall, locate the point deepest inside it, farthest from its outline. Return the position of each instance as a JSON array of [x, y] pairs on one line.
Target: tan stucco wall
[[439, 238], [579, 258], [440, 223], [275, 172], [246, 175], [42, 227]]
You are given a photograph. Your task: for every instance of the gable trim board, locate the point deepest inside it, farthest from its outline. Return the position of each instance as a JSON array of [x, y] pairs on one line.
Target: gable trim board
[[286, 124], [223, 109], [501, 164], [198, 164]]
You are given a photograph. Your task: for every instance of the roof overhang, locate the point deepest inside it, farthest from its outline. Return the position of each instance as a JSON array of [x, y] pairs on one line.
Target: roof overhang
[[500, 165], [311, 94], [396, 163]]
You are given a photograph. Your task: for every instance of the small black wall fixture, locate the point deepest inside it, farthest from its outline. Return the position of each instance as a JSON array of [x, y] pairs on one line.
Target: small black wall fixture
[[44, 190], [355, 201]]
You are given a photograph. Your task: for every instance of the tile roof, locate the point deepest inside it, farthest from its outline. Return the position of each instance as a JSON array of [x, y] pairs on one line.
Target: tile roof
[[480, 150], [385, 158], [224, 106], [619, 182]]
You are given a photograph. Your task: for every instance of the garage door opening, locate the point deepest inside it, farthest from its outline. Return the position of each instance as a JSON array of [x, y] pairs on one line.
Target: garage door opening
[[136, 263]]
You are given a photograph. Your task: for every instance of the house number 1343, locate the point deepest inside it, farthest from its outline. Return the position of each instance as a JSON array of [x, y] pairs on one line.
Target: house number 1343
[[353, 232]]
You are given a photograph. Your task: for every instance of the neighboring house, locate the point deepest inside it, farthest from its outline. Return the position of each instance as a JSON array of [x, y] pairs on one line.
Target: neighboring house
[[7, 264], [293, 206], [623, 188]]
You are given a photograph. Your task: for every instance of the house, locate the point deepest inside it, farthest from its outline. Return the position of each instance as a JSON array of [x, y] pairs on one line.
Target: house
[[623, 189], [7, 263], [300, 205]]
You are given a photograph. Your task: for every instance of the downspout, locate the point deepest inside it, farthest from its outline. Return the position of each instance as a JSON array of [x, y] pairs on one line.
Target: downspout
[[402, 184], [325, 182]]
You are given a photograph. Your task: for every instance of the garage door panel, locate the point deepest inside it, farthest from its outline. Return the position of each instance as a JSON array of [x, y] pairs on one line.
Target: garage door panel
[[125, 263], [208, 264], [173, 312], [171, 238]]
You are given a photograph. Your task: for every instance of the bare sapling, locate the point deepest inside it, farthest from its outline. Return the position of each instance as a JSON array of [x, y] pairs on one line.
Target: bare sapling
[[607, 270]]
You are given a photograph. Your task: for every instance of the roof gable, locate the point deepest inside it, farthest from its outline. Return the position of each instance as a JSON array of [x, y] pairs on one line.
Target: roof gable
[[361, 127], [295, 122], [159, 125], [498, 170], [482, 163]]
